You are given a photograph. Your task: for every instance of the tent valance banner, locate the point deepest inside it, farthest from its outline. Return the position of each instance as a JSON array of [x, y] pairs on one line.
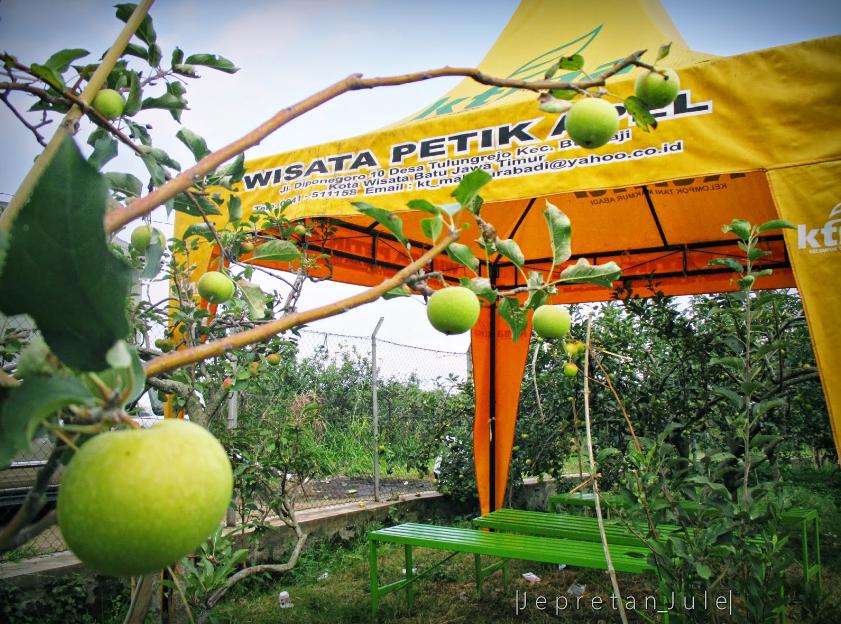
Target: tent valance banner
[[754, 136]]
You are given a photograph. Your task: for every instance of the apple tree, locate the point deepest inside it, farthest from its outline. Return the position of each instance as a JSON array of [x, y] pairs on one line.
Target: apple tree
[[89, 356]]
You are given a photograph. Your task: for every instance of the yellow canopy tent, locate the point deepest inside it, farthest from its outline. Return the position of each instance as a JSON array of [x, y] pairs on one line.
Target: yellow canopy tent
[[754, 136]]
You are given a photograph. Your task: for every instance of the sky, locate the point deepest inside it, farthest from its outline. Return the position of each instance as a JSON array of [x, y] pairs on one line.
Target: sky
[[288, 49]]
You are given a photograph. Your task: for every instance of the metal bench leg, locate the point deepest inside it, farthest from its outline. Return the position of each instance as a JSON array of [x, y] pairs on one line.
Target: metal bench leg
[[410, 574], [375, 579]]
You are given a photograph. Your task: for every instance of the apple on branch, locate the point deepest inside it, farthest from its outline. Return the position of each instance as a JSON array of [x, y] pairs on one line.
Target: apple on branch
[[133, 502]]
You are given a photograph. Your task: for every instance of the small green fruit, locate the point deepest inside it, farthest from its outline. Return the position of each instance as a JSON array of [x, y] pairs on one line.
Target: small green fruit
[[273, 359], [300, 230], [657, 90], [254, 367], [164, 344], [381, 448], [142, 237], [246, 247], [216, 287], [109, 103], [528, 462], [592, 122], [453, 310], [551, 321], [570, 369], [525, 436], [133, 502]]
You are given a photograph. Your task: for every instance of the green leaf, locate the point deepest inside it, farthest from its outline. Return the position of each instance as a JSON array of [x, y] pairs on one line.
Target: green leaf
[[563, 94], [133, 100], [516, 318], [703, 570], [639, 111], [481, 286], [185, 70], [468, 188], [763, 407], [198, 229], [732, 396], [214, 61], [28, 405], [167, 101], [195, 143], [582, 272], [663, 51], [386, 218], [233, 170], [560, 233], [432, 227], [736, 364], [755, 253], [126, 372], [461, 253], [139, 131], [425, 206], [254, 297], [511, 250], [124, 183], [60, 61], [730, 263], [60, 269], [183, 204], [399, 291], [157, 173], [739, 227], [775, 224], [177, 56], [537, 295], [572, 63], [145, 32], [154, 253], [48, 75], [132, 49], [279, 250], [103, 150], [549, 104]]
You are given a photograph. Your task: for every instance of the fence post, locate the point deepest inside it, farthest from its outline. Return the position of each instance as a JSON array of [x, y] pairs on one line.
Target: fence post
[[375, 410], [233, 416]]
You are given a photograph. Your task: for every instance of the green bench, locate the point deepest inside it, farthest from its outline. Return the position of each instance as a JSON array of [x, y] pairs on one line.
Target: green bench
[[803, 520], [506, 546]]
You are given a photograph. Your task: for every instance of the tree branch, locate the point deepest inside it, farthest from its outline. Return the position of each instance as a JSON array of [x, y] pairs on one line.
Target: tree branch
[[177, 359], [68, 125], [116, 219]]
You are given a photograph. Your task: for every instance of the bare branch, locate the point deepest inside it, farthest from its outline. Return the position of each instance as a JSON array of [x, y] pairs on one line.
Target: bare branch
[[116, 219]]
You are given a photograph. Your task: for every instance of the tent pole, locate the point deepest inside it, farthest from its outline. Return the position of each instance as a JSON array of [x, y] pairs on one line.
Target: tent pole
[[492, 412]]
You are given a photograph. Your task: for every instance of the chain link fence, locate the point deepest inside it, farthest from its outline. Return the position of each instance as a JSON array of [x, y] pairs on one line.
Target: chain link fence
[[420, 393], [415, 390]]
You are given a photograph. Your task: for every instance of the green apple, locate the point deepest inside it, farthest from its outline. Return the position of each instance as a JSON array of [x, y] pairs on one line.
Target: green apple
[[453, 310], [142, 237], [216, 287], [657, 90], [570, 369], [133, 502], [273, 359], [300, 230], [246, 246], [109, 103], [551, 321], [164, 344], [592, 122]]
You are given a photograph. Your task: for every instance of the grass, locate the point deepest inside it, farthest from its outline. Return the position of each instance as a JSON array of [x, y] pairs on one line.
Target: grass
[[448, 596]]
